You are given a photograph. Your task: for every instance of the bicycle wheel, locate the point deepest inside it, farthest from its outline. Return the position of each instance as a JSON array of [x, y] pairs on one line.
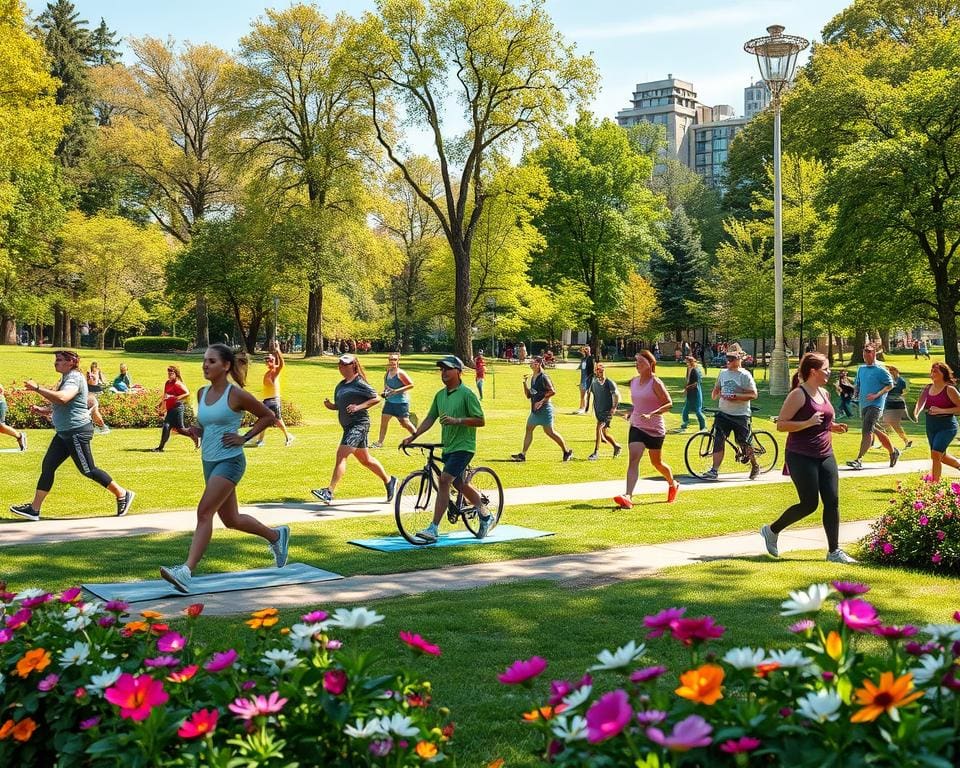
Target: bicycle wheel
[[490, 488], [413, 507], [698, 455], [766, 449]]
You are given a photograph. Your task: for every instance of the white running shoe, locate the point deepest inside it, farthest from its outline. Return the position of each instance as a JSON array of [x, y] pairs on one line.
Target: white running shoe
[[839, 556], [770, 541], [289, 441], [179, 576], [281, 546]]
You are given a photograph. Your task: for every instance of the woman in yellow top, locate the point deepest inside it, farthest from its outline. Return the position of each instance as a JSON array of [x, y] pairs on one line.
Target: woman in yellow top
[[271, 391]]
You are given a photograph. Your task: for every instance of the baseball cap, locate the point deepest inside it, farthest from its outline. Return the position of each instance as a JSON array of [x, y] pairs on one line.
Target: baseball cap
[[347, 359], [450, 361]]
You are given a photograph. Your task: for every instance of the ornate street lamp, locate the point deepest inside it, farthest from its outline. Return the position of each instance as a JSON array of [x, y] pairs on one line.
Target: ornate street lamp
[[777, 58]]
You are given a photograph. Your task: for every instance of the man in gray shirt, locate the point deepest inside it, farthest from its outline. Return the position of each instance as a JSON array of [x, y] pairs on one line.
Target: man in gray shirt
[[606, 397]]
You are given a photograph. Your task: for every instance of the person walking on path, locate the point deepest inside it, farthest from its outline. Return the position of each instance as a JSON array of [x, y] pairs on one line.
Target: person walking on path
[[480, 370], [73, 435], [352, 398], [734, 390], [845, 390], [923, 349], [460, 414], [171, 405], [871, 385], [396, 395], [692, 396], [539, 391], [271, 392], [606, 397], [5, 429], [807, 417], [941, 401], [587, 364], [220, 409], [647, 429], [895, 409]]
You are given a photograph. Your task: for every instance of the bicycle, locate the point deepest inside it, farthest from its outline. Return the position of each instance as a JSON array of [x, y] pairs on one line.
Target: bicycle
[[698, 454], [413, 506]]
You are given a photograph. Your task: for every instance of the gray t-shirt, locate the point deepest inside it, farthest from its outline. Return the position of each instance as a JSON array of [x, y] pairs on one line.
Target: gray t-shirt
[[73, 414], [539, 386], [353, 392], [735, 383], [603, 396]]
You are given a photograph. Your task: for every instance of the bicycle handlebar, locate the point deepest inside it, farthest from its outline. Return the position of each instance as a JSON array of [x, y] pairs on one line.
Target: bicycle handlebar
[[422, 446]]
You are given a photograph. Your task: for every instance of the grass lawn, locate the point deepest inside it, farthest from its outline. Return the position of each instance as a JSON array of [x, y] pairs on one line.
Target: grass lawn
[[172, 480]]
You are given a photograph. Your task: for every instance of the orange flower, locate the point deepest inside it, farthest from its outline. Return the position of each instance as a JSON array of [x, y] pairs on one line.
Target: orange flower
[[886, 697], [36, 660], [498, 763], [767, 667], [426, 749], [264, 613], [132, 627], [6, 729], [151, 615], [21, 731], [834, 645], [702, 684], [257, 623], [545, 712]]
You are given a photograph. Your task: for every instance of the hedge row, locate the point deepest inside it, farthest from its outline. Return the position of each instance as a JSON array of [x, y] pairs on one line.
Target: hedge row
[[156, 344]]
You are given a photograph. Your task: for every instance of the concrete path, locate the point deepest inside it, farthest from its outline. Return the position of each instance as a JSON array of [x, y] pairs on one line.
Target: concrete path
[[13, 532]]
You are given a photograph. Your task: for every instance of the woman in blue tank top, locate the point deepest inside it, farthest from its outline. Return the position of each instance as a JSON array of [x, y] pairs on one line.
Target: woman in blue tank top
[[220, 409], [396, 397]]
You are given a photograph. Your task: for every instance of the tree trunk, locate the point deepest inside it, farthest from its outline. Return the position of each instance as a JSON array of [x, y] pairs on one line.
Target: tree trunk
[[75, 334], [462, 343], [885, 339], [56, 338], [829, 345], [101, 339], [253, 330], [203, 322], [859, 339], [840, 349], [314, 341]]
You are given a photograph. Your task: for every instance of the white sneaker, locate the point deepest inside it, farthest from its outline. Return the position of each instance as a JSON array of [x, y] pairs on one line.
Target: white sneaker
[[179, 576], [281, 546], [377, 444], [839, 556], [770, 541], [428, 534], [289, 441], [593, 456]]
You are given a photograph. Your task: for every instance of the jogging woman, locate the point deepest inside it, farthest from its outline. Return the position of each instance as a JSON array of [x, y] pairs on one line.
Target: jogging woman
[[807, 416], [396, 395], [171, 405], [539, 391], [941, 401], [895, 409], [220, 409], [352, 398], [73, 435], [20, 437], [647, 429], [271, 392]]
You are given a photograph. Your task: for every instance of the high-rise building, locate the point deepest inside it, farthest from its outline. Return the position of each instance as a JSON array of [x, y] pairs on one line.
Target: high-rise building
[[756, 98], [711, 143], [671, 103]]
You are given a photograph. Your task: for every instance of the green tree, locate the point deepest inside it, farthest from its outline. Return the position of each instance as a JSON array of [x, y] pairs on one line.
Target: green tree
[[675, 270], [638, 312], [680, 186]]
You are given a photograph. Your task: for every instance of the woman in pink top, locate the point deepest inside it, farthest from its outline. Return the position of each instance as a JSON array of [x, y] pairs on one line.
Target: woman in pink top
[[941, 401], [647, 430]]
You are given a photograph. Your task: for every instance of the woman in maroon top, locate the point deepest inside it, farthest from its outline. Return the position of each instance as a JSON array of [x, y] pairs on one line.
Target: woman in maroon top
[[808, 419]]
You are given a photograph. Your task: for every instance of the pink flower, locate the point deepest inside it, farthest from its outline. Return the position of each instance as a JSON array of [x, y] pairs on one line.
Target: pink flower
[[850, 588], [692, 631], [419, 645], [381, 747], [107, 621], [895, 633], [6, 635], [199, 724], [33, 602], [921, 649], [172, 642], [48, 683], [858, 615], [923, 520], [19, 619], [136, 696], [941, 535], [116, 606], [247, 709], [560, 689], [918, 505], [161, 661], [928, 478], [69, 595], [86, 725], [522, 671], [248, 685], [955, 488], [334, 645], [221, 661], [688, 734], [936, 558], [738, 746], [804, 625], [646, 674], [608, 715], [183, 674], [887, 548], [651, 717], [314, 617], [335, 681], [659, 623]]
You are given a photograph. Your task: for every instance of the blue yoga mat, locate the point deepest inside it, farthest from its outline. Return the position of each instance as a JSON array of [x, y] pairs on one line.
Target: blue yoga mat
[[138, 591], [452, 539]]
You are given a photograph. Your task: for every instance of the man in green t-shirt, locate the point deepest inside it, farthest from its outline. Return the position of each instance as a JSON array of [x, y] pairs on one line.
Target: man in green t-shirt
[[460, 414]]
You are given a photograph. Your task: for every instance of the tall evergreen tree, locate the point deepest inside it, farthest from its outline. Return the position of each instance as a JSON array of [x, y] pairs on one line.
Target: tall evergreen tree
[[675, 269]]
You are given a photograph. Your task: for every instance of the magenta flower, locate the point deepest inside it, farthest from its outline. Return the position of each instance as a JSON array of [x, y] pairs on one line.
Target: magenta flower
[[921, 649], [335, 681], [651, 717], [918, 505], [48, 683], [895, 633], [646, 674], [33, 602], [69, 595], [956, 616], [18, 619], [936, 558], [419, 645], [161, 661], [314, 617], [887, 548], [184, 674], [334, 645], [200, 723], [247, 709], [739, 746], [172, 642], [248, 685], [804, 625], [116, 606], [560, 689], [850, 588], [923, 520], [523, 671], [608, 715], [221, 661], [698, 630], [858, 615], [107, 621], [381, 747], [6, 635], [690, 733], [136, 696], [827, 676], [941, 535], [86, 725], [661, 622]]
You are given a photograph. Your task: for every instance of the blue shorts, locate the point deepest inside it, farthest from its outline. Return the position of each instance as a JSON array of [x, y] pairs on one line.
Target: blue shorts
[[400, 410], [231, 469], [541, 418], [3, 412], [456, 462], [273, 403], [941, 430]]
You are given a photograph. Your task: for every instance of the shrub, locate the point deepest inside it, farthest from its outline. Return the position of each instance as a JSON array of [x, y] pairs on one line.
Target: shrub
[[290, 411], [920, 529], [824, 702], [156, 344], [81, 688]]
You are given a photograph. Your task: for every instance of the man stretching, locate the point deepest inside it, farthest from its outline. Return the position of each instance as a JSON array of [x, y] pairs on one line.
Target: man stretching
[[870, 387], [271, 391], [460, 414]]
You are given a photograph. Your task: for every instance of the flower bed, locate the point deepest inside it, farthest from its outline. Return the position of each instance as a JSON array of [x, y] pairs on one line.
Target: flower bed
[[79, 687], [824, 702], [921, 528]]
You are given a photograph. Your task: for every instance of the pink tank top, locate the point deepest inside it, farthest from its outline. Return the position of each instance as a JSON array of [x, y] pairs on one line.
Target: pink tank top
[[941, 399], [645, 400], [813, 441]]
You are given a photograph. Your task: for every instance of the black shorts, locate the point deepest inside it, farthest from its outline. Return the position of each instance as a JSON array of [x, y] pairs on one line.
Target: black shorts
[[724, 424], [174, 417], [355, 435], [456, 462], [653, 442], [604, 418], [273, 403]]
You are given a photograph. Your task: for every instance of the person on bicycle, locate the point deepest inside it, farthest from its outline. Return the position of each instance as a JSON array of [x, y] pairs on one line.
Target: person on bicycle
[[734, 389], [460, 414]]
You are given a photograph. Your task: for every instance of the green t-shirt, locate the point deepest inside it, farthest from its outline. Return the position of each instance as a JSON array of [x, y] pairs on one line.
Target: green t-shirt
[[462, 403]]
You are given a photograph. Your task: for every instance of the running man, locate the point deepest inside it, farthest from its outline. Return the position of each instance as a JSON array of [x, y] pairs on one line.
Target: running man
[[171, 406], [20, 437], [539, 391], [606, 398], [460, 414], [271, 391], [72, 438], [870, 387], [396, 388], [734, 389]]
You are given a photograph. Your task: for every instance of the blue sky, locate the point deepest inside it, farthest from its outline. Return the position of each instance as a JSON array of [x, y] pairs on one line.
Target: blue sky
[[697, 40]]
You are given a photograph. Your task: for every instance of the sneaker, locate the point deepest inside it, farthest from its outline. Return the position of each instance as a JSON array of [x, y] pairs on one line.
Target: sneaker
[[156, 450], [377, 444], [518, 457], [179, 576], [839, 556], [672, 493], [486, 520], [593, 456], [324, 494], [770, 541], [289, 441], [623, 502], [123, 505], [22, 441], [679, 430], [711, 474], [26, 511], [391, 486], [568, 454], [908, 444], [754, 471], [104, 430], [579, 412], [281, 545], [894, 458], [258, 444], [617, 451], [855, 464], [428, 534]]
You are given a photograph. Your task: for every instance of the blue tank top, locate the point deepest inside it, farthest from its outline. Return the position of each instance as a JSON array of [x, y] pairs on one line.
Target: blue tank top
[[395, 382], [217, 420]]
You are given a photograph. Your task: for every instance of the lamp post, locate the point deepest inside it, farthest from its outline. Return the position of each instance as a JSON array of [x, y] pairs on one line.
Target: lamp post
[[777, 58]]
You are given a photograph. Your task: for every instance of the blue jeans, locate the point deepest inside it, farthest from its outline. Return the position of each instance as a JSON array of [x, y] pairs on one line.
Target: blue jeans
[[845, 406], [693, 402]]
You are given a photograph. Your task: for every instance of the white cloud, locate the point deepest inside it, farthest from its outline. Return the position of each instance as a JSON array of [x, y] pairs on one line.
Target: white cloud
[[717, 18]]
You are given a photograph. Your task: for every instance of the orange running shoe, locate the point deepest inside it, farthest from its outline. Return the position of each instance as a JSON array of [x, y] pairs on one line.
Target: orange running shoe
[[672, 493], [623, 502]]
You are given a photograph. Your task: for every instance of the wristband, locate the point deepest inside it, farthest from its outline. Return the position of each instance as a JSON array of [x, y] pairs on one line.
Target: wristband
[[246, 437]]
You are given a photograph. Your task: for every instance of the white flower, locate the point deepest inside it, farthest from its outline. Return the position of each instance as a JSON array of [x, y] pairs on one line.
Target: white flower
[[930, 667], [622, 657], [573, 729], [820, 706], [806, 602], [792, 657], [87, 609], [29, 593], [99, 683], [745, 658], [943, 632], [358, 618], [75, 655], [361, 730], [301, 636], [575, 699], [399, 725], [280, 660], [75, 625]]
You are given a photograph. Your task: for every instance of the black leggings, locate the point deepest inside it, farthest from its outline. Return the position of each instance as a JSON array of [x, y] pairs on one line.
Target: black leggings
[[814, 478], [71, 445]]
